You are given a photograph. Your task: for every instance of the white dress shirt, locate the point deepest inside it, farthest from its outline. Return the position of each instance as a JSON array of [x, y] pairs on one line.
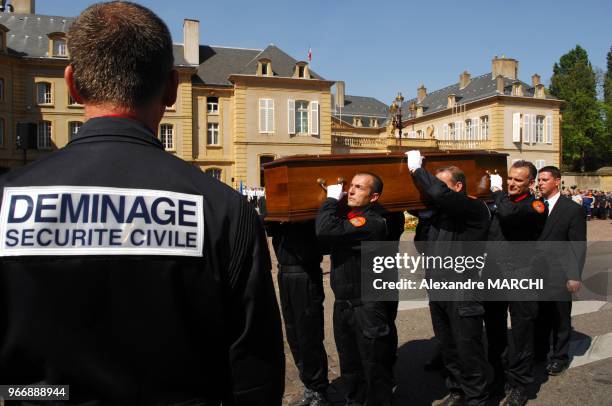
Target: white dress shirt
[[552, 201]]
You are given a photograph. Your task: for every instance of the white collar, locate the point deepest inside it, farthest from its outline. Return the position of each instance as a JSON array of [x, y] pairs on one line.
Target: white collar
[[552, 201]]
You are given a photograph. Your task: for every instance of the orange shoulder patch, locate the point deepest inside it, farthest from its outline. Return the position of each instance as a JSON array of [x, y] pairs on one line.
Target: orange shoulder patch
[[538, 206], [358, 221]]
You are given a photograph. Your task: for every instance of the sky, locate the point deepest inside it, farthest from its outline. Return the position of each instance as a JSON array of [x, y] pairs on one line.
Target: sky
[[381, 47]]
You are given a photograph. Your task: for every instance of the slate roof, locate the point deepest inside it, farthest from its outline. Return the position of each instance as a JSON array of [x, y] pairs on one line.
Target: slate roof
[[362, 107], [217, 63], [28, 35], [480, 87]]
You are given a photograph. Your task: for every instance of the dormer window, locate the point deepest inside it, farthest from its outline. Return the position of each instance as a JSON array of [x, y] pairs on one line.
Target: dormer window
[[357, 122], [451, 100], [301, 71], [58, 45], [60, 48], [374, 122], [517, 88], [264, 67]]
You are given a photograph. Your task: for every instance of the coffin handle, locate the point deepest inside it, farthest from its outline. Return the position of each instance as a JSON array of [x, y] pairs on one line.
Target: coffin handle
[[322, 182]]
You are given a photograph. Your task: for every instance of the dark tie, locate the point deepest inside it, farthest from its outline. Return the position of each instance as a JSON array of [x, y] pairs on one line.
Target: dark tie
[[546, 203]]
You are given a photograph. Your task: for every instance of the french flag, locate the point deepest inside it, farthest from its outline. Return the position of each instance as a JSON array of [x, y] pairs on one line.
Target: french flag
[[309, 54]]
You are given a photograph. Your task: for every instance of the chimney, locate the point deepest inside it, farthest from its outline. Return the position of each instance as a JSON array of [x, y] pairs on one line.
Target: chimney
[[340, 93], [24, 6], [500, 84], [506, 67], [191, 41], [535, 80], [451, 101], [421, 93], [464, 80]]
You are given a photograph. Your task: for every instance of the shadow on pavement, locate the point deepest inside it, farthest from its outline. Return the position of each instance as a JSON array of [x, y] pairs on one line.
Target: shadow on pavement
[[415, 385]]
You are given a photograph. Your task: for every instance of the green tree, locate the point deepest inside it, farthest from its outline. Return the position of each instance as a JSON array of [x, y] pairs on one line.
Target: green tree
[[575, 82], [607, 85], [607, 107]]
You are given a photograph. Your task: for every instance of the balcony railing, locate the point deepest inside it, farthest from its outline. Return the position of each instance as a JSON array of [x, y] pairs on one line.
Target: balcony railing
[[462, 144], [359, 142]]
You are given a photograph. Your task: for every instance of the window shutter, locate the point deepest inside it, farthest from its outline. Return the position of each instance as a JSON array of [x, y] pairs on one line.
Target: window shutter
[[291, 116], [445, 132], [516, 127], [549, 129], [527, 128], [532, 130], [458, 130], [476, 128], [262, 116], [270, 116], [314, 118]]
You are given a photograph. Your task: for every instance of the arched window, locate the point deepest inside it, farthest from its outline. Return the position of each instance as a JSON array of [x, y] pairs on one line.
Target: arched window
[[58, 46]]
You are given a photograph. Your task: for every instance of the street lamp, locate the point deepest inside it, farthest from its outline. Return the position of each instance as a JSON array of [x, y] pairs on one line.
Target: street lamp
[[396, 114]]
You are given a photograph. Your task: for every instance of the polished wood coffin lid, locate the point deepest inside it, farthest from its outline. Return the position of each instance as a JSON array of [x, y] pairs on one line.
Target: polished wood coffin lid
[[293, 192]]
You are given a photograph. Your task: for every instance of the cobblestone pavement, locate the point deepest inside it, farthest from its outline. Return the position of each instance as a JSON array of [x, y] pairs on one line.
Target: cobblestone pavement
[[587, 384]]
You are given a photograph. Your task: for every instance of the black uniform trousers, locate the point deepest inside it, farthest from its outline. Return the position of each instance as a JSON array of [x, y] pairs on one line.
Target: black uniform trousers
[[366, 339], [301, 297], [516, 359], [555, 318], [458, 326]]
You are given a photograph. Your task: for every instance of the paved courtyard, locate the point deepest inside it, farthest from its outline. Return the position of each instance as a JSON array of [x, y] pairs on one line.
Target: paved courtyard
[[587, 382]]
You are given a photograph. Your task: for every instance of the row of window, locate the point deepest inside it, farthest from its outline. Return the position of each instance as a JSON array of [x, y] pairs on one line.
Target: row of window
[[166, 134], [532, 128], [44, 94], [302, 117], [472, 129], [539, 163]]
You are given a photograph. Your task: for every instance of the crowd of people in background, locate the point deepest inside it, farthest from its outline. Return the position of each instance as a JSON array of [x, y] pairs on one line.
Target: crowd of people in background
[[596, 204], [253, 195]]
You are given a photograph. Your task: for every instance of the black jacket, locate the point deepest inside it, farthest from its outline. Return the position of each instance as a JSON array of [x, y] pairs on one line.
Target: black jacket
[[457, 216], [520, 219], [566, 222], [196, 320], [344, 238]]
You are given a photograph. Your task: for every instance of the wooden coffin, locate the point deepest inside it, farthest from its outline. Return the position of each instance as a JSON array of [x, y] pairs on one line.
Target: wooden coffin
[[294, 193]]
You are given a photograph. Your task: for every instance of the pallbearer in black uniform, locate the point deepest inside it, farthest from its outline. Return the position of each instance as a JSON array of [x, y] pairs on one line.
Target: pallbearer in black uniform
[[126, 272], [300, 282], [518, 216], [364, 330], [457, 324]]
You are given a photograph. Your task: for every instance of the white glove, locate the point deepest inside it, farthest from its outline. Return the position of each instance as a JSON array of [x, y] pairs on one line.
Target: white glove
[[496, 182], [335, 191], [415, 160]]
